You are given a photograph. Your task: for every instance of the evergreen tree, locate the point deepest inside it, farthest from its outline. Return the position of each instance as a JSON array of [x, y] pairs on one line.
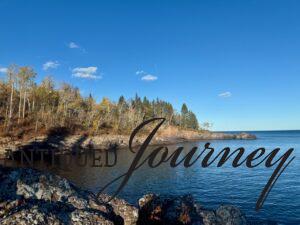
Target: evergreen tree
[[45, 106], [184, 115]]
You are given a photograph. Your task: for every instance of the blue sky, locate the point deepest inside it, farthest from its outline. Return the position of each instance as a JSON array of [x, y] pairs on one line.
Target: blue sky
[[235, 63]]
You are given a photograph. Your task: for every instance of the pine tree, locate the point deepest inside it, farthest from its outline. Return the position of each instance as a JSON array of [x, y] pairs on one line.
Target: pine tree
[[46, 106]]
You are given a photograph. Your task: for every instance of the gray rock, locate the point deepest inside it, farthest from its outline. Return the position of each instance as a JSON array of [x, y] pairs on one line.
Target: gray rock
[[127, 212], [208, 217], [230, 215], [31, 197], [245, 136]]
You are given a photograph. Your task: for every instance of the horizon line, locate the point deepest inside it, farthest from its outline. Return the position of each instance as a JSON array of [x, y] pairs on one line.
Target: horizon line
[[255, 130]]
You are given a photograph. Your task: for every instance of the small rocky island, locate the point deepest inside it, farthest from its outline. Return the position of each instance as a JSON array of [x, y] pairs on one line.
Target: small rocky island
[[32, 197]]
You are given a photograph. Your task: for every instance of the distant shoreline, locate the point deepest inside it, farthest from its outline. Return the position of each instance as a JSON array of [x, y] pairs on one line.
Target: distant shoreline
[[254, 131]]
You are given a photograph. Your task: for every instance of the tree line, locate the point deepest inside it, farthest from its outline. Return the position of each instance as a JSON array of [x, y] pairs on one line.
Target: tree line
[[28, 106]]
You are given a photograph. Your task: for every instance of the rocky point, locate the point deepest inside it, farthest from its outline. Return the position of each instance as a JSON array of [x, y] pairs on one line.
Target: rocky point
[[31, 197]]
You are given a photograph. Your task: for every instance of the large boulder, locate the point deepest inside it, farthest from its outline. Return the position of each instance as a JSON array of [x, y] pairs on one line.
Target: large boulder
[[156, 210], [31, 197], [230, 215], [183, 210], [127, 212]]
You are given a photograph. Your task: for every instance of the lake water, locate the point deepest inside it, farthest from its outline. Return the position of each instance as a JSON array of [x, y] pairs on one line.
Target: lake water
[[210, 186]]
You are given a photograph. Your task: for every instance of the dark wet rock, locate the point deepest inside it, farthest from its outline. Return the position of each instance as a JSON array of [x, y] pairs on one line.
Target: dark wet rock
[[121, 208], [230, 215], [208, 217], [156, 210], [183, 210]]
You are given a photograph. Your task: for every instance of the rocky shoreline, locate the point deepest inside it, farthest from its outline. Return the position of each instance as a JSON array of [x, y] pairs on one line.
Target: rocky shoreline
[[32, 197], [110, 141]]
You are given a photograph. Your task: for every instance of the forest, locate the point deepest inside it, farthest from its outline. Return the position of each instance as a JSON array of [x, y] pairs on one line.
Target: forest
[[28, 107]]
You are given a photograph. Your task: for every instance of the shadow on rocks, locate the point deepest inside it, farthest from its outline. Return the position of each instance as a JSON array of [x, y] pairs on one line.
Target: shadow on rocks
[[183, 210]]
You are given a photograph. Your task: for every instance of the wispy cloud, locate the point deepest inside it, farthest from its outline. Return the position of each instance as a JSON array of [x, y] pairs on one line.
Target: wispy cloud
[[50, 65], [146, 76], [149, 77], [226, 94], [73, 45], [86, 72], [3, 70], [140, 72]]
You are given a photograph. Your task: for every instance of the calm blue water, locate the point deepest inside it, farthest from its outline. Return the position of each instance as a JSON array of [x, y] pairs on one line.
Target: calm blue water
[[211, 186]]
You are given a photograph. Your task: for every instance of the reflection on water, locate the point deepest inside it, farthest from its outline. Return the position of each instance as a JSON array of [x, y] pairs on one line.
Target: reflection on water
[[211, 186]]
